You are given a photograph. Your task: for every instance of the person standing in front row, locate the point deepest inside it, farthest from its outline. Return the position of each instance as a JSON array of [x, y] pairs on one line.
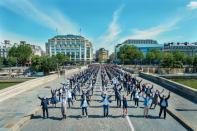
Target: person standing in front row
[[63, 105], [125, 105], [84, 105], [147, 103], [163, 104], [44, 104], [106, 101]]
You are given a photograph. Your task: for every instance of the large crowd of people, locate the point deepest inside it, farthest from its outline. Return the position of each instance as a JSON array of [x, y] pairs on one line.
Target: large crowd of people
[[114, 82]]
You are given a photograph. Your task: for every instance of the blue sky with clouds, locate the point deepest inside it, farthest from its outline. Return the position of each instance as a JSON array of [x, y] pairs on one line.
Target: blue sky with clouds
[[104, 22]]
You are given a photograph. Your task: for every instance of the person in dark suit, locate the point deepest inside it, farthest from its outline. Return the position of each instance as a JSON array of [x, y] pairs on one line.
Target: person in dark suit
[[163, 104], [44, 104], [84, 104]]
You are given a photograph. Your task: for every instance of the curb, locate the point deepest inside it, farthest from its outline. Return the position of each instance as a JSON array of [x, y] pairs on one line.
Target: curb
[[181, 120]]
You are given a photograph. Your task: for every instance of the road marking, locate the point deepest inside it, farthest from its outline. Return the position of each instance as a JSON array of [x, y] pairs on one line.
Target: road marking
[[130, 124]]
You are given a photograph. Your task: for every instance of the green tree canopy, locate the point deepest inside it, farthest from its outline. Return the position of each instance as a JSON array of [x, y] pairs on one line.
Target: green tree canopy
[[12, 61], [44, 63], [36, 63], [1, 63], [179, 56], [195, 61], [62, 58], [23, 53], [168, 60], [129, 54], [154, 56]]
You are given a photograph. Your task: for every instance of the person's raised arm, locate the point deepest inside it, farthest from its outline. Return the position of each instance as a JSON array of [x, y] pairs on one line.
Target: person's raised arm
[[168, 95], [39, 97], [152, 87]]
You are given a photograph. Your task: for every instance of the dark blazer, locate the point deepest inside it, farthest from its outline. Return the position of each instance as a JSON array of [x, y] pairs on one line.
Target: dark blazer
[[166, 100], [44, 102]]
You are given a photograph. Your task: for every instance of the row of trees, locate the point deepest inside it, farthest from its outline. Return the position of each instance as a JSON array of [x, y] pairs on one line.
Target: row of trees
[[23, 55], [47, 64], [129, 54], [132, 55]]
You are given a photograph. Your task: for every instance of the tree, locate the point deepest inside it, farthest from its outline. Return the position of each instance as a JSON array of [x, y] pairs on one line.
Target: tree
[[195, 63], [150, 56], [36, 63], [12, 61], [1, 63], [179, 56], [168, 60], [154, 56], [129, 54], [61, 58], [189, 60], [13, 52], [23, 53], [48, 64]]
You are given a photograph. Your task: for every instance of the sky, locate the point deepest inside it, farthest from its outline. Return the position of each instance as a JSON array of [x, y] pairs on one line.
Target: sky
[[104, 22]]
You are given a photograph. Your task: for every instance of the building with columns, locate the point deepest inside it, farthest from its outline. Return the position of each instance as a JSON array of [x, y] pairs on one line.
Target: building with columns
[[78, 48]]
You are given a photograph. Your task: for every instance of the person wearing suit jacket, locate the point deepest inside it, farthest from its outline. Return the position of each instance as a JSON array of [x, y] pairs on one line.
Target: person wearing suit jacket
[[163, 104], [44, 104], [84, 104]]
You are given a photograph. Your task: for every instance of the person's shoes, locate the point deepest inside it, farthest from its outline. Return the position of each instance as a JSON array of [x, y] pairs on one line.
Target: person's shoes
[[87, 116]]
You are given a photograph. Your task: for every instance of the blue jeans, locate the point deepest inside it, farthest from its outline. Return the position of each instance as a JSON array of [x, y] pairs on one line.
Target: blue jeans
[[106, 110]]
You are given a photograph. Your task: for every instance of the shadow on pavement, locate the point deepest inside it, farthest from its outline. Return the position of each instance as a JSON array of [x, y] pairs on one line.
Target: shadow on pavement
[[142, 116], [186, 109], [52, 117]]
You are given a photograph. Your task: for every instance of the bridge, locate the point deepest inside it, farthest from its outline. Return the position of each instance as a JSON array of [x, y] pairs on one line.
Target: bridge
[[22, 112]]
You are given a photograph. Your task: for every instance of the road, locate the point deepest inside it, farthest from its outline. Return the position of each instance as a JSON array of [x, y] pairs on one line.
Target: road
[[96, 121]]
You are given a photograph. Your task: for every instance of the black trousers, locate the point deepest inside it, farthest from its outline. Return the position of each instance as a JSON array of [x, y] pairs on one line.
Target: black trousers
[[45, 110], [162, 109], [73, 96], [69, 101], [105, 110], [118, 102], [84, 110], [136, 101]]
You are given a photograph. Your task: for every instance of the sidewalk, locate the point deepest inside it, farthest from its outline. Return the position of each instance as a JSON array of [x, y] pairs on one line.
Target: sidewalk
[[180, 106]]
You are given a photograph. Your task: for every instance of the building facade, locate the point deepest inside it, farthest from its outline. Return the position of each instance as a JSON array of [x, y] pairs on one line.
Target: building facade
[[4, 48], [102, 55], [143, 45], [188, 48], [78, 48]]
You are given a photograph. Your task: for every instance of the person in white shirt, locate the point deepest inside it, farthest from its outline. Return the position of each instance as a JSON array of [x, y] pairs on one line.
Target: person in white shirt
[[69, 97], [63, 106]]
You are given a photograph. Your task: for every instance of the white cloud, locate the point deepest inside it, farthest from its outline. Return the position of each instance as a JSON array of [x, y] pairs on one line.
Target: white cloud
[[192, 5], [52, 20], [113, 31], [153, 32]]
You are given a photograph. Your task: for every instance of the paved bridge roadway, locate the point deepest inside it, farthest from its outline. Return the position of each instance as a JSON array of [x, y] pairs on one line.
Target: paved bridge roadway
[[96, 122]]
